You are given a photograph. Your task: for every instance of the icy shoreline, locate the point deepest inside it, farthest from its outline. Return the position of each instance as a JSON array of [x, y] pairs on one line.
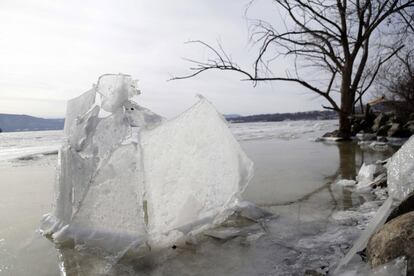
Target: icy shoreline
[[305, 234]]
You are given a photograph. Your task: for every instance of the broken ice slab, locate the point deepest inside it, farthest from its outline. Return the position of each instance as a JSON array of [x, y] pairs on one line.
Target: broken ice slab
[[139, 116], [73, 177], [133, 178], [115, 90], [109, 134], [77, 108], [252, 212], [400, 171], [376, 222], [345, 182], [366, 174], [396, 267], [83, 129], [248, 221], [194, 169], [226, 233], [113, 200]]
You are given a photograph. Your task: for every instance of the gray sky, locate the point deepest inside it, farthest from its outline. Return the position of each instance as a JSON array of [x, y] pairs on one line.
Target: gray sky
[[51, 51]]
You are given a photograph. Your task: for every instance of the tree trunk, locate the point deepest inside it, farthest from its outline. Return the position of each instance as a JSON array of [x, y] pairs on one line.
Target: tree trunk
[[347, 104], [344, 126]]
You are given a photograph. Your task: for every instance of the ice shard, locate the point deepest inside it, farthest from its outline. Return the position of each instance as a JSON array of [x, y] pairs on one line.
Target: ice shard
[[130, 177], [115, 90], [195, 174], [400, 170]]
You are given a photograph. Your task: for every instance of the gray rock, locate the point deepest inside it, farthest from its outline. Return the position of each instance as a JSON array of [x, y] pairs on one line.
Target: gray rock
[[393, 240], [409, 126], [382, 139], [405, 207], [394, 129], [397, 130], [334, 133], [383, 130], [378, 122], [366, 136]]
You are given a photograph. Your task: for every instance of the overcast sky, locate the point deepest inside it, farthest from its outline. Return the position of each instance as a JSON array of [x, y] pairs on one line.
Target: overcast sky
[[51, 51]]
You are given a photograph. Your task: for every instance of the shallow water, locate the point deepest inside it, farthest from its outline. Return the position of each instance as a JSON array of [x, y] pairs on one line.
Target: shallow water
[[293, 179]]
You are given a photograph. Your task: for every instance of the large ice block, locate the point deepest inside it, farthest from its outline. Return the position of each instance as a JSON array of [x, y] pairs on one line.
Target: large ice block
[[131, 178], [113, 200], [196, 173], [77, 107], [400, 170], [115, 90]]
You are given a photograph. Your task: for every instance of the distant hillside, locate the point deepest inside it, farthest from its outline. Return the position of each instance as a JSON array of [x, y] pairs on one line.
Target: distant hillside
[[231, 116], [12, 122], [277, 117]]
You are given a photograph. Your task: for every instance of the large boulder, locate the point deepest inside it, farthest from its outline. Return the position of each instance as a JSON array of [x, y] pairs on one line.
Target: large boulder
[[394, 129], [379, 121], [356, 126], [404, 207], [383, 130], [409, 126], [332, 134], [393, 240]]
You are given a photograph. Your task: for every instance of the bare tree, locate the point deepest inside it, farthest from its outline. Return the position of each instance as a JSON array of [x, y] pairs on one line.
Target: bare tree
[[347, 41], [396, 84]]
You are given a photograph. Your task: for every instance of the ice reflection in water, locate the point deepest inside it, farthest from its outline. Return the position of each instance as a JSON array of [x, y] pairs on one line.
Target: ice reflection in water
[[295, 183]]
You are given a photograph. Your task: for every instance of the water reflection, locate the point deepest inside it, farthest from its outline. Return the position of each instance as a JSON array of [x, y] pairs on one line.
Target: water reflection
[[351, 158]]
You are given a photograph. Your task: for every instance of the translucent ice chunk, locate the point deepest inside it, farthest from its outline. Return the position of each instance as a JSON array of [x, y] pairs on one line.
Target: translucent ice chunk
[[376, 222], [139, 116], [109, 134], [78, 107], [345, 182], [397, 267], [113, 201], [366, 174], [400, 170], [115, 90], [83, 129], [74, 175], [131, 179], [194, 169]]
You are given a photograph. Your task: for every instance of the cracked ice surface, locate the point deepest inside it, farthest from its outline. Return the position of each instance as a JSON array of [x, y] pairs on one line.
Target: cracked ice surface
[[401, 171], [205, 156], [132, 178]]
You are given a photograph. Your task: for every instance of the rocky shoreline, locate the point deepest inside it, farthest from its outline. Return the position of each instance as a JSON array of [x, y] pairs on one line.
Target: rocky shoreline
[[382, 127], [389, 245]]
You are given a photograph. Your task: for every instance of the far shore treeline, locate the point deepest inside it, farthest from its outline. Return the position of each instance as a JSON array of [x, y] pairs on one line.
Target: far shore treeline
[[14, 122]]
